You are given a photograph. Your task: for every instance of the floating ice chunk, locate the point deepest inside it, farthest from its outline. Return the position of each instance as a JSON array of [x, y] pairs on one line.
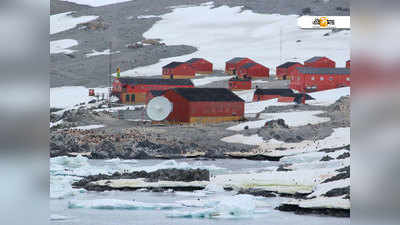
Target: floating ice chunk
[[111, 204]]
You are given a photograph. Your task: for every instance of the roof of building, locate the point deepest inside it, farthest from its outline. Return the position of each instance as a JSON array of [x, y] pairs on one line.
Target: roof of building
[[208, 94], [235, 60], [274, 91], [240, 79], [298, 95], [156, 81], [192, 60], [314, 59], [173, 64], [311, 70], [157, 92], [288, 64]]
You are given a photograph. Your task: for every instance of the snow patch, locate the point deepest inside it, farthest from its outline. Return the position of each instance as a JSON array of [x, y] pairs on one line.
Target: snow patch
[[206, 80], [96, 3], [64, 21], [328, 97], [62, 46], [96, 53], [88, 127], [247, 140], [111, 204]]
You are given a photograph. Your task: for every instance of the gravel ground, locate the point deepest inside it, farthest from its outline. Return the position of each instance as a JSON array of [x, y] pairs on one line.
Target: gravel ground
[[124, 28]]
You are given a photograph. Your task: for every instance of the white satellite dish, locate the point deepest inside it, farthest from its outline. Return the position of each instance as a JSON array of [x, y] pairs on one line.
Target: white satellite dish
[[159, 108]]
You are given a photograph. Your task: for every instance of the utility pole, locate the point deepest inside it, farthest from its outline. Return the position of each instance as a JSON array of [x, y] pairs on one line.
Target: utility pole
[[109, 75], [280, 44]]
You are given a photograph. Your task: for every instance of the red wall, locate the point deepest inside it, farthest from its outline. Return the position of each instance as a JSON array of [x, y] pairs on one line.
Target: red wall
[[205, 109], [286, 99], [257, 98], [236, 66], [300, 81], [256, 71], [180, 111], [202, 66], [322, 63], [280, 72], [242, 85], [181, 70]]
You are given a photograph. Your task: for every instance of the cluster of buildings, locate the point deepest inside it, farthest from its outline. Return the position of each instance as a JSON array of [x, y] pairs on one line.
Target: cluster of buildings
[[316, 74], [205, 105]]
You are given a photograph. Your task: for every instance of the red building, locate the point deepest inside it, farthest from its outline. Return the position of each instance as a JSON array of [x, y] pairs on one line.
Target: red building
[[307, 79], [201, 66], [132, 90], [296, 97], [348, 63], [267, 94], [178, 70], [320, 62], [152, 94], [253, 70], [232, 66], [239, 84], [283, 71], [204, 105]]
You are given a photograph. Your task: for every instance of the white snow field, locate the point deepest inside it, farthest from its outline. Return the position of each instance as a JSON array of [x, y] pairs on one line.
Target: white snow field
[[88, 127], [257, 107], [206, 80], [62, 46], [105, 52], [64, 21], [292, 119], [224, 32], [247, 140], [68, 96], [328, 97], [96, 3]]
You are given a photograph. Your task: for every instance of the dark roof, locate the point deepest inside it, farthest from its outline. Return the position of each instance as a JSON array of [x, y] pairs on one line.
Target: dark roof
[[157, 92], [173, 64], [240, 79], [208, 94], [288, 64], [298, 95], [248, 65], [235, 60], [192, 60], [136, 81], [281, 92], [311, 70], [314, 59]]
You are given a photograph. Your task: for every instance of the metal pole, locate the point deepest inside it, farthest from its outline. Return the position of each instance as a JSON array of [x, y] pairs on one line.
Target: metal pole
[[280, 44], [109, 76]]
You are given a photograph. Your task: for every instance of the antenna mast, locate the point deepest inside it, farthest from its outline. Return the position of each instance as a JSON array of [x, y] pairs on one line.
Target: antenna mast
[[109, 76]]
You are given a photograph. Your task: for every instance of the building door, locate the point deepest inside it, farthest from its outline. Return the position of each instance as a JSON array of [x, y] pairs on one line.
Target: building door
[[127, 98], [171, 76], [234, 71], [133, 98], [284, 77]]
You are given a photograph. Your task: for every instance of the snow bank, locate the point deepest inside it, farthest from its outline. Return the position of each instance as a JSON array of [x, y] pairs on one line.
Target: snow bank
[[339, 138], [292, 119], [247, 95], [62, 46], [328, 97], [206, 80], [168, 164], [111, 204], [64, 21], [147, 17], [247, 140], [257, 107], [88, 127], [96, 53], [238, 206], [96, 3], [218, 34], [68, 96]]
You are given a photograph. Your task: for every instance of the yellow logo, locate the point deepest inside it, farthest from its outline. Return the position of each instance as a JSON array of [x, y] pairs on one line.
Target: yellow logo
[[323, 22]]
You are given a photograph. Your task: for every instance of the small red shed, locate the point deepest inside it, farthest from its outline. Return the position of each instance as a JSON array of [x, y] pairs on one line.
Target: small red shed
[[348, 62], [267, 94], [204, 105], [296, 97], [239, 84], [201, 66], [308, 79], [283, 71], [132, 90], [178, 70], [253, 70], [233, 65], [320, 62]]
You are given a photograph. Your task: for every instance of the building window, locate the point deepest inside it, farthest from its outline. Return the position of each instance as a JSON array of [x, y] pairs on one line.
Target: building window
[[298, 78], [127, 98], [331, 78], [321, 78], [348, 79], [312, 78]]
